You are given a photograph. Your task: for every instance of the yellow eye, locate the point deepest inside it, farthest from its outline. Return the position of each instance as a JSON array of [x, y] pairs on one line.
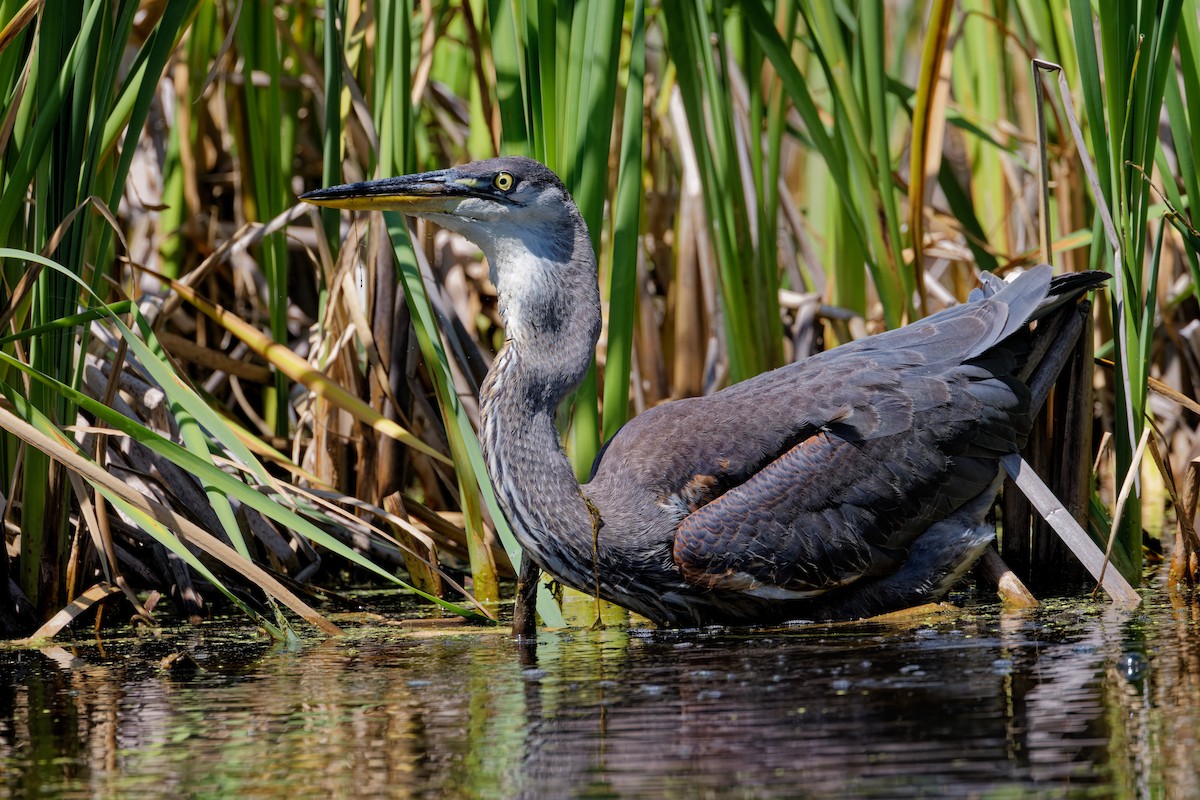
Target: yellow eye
[[503, 181]]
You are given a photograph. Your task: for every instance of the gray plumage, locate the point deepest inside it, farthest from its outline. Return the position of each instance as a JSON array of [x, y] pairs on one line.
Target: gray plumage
[[852, 483]]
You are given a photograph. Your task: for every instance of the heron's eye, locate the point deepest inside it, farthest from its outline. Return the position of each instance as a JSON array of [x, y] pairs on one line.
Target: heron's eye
[[503, 181]]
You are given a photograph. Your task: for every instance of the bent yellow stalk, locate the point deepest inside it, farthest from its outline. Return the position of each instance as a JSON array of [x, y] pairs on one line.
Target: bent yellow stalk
[[300, 370], [188, 531]]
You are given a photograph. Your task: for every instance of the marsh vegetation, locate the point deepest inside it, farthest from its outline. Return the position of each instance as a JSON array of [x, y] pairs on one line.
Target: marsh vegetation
[[213, 395]]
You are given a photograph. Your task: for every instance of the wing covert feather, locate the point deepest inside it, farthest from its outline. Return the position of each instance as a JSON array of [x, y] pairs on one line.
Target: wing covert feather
[[821, 472]]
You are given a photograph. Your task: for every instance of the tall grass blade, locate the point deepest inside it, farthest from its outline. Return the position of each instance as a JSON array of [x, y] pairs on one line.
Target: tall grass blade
[[464, 445], [627, 207], [928, 119], [268, 136]]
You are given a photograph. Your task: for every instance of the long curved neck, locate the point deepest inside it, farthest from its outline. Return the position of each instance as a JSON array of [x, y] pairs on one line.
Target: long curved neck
[[551, 306]]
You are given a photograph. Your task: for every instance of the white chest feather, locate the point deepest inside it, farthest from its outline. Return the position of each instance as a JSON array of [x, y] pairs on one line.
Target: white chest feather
[[525, 283]]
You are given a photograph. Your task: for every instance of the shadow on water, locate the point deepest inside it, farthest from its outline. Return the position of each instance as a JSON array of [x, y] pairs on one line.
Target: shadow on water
[[1072, 700]]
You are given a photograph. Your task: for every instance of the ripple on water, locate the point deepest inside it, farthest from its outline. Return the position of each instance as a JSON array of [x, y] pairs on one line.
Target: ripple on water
[[1062, 702]]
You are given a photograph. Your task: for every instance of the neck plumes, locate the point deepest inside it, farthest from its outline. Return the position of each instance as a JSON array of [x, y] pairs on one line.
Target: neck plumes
[[548, 297]]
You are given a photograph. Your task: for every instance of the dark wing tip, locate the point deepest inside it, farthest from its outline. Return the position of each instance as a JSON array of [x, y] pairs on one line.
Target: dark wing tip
[[1076, 283]]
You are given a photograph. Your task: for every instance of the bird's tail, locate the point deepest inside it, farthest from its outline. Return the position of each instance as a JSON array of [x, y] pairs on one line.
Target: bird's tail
[[1063, 289]]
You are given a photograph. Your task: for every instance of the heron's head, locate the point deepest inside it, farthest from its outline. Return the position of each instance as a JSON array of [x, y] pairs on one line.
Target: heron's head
[[504, 205], [519, 213]]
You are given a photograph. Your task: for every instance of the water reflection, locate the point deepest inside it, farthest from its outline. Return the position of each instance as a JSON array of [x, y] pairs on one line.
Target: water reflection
[[1074, 701]]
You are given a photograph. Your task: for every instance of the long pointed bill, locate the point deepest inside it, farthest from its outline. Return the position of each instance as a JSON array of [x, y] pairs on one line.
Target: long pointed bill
[[426, 193]]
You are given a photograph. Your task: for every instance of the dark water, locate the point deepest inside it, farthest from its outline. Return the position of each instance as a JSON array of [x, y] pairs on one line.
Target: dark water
[[1072, 700]]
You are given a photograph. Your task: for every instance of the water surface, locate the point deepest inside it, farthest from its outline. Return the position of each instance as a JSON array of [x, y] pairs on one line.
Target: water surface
[[1072, 700]]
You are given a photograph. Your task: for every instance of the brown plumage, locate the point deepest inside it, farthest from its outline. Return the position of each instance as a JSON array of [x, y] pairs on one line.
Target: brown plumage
[[848, 484]]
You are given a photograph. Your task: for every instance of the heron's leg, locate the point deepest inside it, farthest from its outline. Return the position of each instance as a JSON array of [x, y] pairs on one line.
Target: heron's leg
[[524, 612]]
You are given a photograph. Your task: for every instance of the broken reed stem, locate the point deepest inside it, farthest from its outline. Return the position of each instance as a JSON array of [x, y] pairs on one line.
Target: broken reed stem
[[1039, 113], [1072, 535], [1012, 590], [1184, 564]]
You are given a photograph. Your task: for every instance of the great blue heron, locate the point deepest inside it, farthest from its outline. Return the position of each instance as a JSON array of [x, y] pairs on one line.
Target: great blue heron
[[848, 484]]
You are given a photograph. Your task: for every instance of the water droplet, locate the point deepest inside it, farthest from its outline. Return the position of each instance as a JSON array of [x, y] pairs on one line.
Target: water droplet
[[1133, 666]]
